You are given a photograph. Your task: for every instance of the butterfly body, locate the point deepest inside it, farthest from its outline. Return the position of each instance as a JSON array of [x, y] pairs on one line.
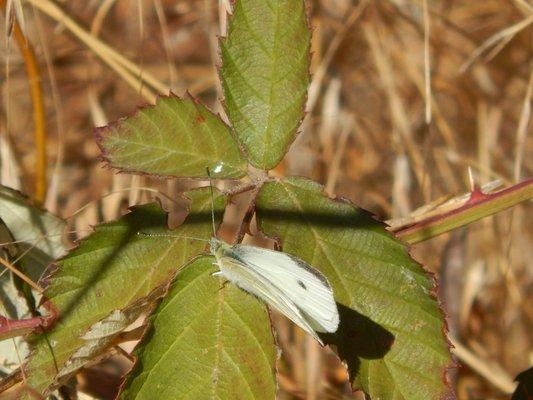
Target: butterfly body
[[284, 282]]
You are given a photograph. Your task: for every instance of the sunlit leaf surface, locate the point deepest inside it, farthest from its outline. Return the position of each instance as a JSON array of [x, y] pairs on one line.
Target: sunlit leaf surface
[[208, 340], [265, 74], [392, 330], [176, 137]]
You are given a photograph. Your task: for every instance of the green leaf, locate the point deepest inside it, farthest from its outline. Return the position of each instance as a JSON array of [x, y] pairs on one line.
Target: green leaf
[[392, 330], [38, 233], [100, 334], [115, 268], [265, 74], [208, 340], [176, 137]]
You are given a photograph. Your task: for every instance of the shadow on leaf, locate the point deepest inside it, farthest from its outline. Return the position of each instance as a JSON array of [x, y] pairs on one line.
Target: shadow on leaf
[[358, 337], [141, 218], [353, 218]]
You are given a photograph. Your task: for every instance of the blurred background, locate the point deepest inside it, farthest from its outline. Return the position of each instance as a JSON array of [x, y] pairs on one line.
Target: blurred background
[[369, 135]]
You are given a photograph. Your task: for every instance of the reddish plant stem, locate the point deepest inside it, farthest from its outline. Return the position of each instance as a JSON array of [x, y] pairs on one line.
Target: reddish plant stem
[[12, 328], [478, 206]]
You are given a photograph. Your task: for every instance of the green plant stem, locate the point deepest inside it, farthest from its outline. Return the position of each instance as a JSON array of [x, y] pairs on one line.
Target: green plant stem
[[479, 206]]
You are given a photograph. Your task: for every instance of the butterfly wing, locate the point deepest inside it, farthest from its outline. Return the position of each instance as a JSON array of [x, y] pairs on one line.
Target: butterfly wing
[[255, 283], [303, 285]]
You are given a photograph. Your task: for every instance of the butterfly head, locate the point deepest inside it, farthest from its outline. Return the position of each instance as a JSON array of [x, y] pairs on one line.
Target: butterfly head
[[214, 245]]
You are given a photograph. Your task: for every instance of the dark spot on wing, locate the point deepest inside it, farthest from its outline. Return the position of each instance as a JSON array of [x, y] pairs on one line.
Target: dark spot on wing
[[310, 269], [236, 251], [302, 285]]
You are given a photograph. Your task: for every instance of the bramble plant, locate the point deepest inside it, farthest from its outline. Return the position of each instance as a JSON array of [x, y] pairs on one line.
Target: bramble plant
[[206, 339]]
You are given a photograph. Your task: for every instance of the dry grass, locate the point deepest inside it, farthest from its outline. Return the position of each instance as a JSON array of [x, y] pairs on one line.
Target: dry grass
[[366, 137]]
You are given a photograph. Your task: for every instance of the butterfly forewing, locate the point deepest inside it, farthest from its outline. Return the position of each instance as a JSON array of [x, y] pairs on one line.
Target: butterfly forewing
[[254, 283], [308, 289]]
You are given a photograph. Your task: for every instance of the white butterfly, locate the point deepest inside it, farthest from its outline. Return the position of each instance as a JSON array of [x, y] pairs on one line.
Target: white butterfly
[[284, 282]]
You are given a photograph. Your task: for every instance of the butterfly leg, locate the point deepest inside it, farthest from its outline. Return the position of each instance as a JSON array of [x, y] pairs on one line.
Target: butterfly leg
[[224, 285], [219, 273]]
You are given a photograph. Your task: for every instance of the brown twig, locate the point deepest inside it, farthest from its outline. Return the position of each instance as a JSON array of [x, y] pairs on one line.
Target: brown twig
[[245, 223], [39, 120], [21, 275]]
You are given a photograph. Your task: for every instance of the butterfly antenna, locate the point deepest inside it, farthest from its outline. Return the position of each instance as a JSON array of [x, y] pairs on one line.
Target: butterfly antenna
[[212, 201], [147, 234]]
